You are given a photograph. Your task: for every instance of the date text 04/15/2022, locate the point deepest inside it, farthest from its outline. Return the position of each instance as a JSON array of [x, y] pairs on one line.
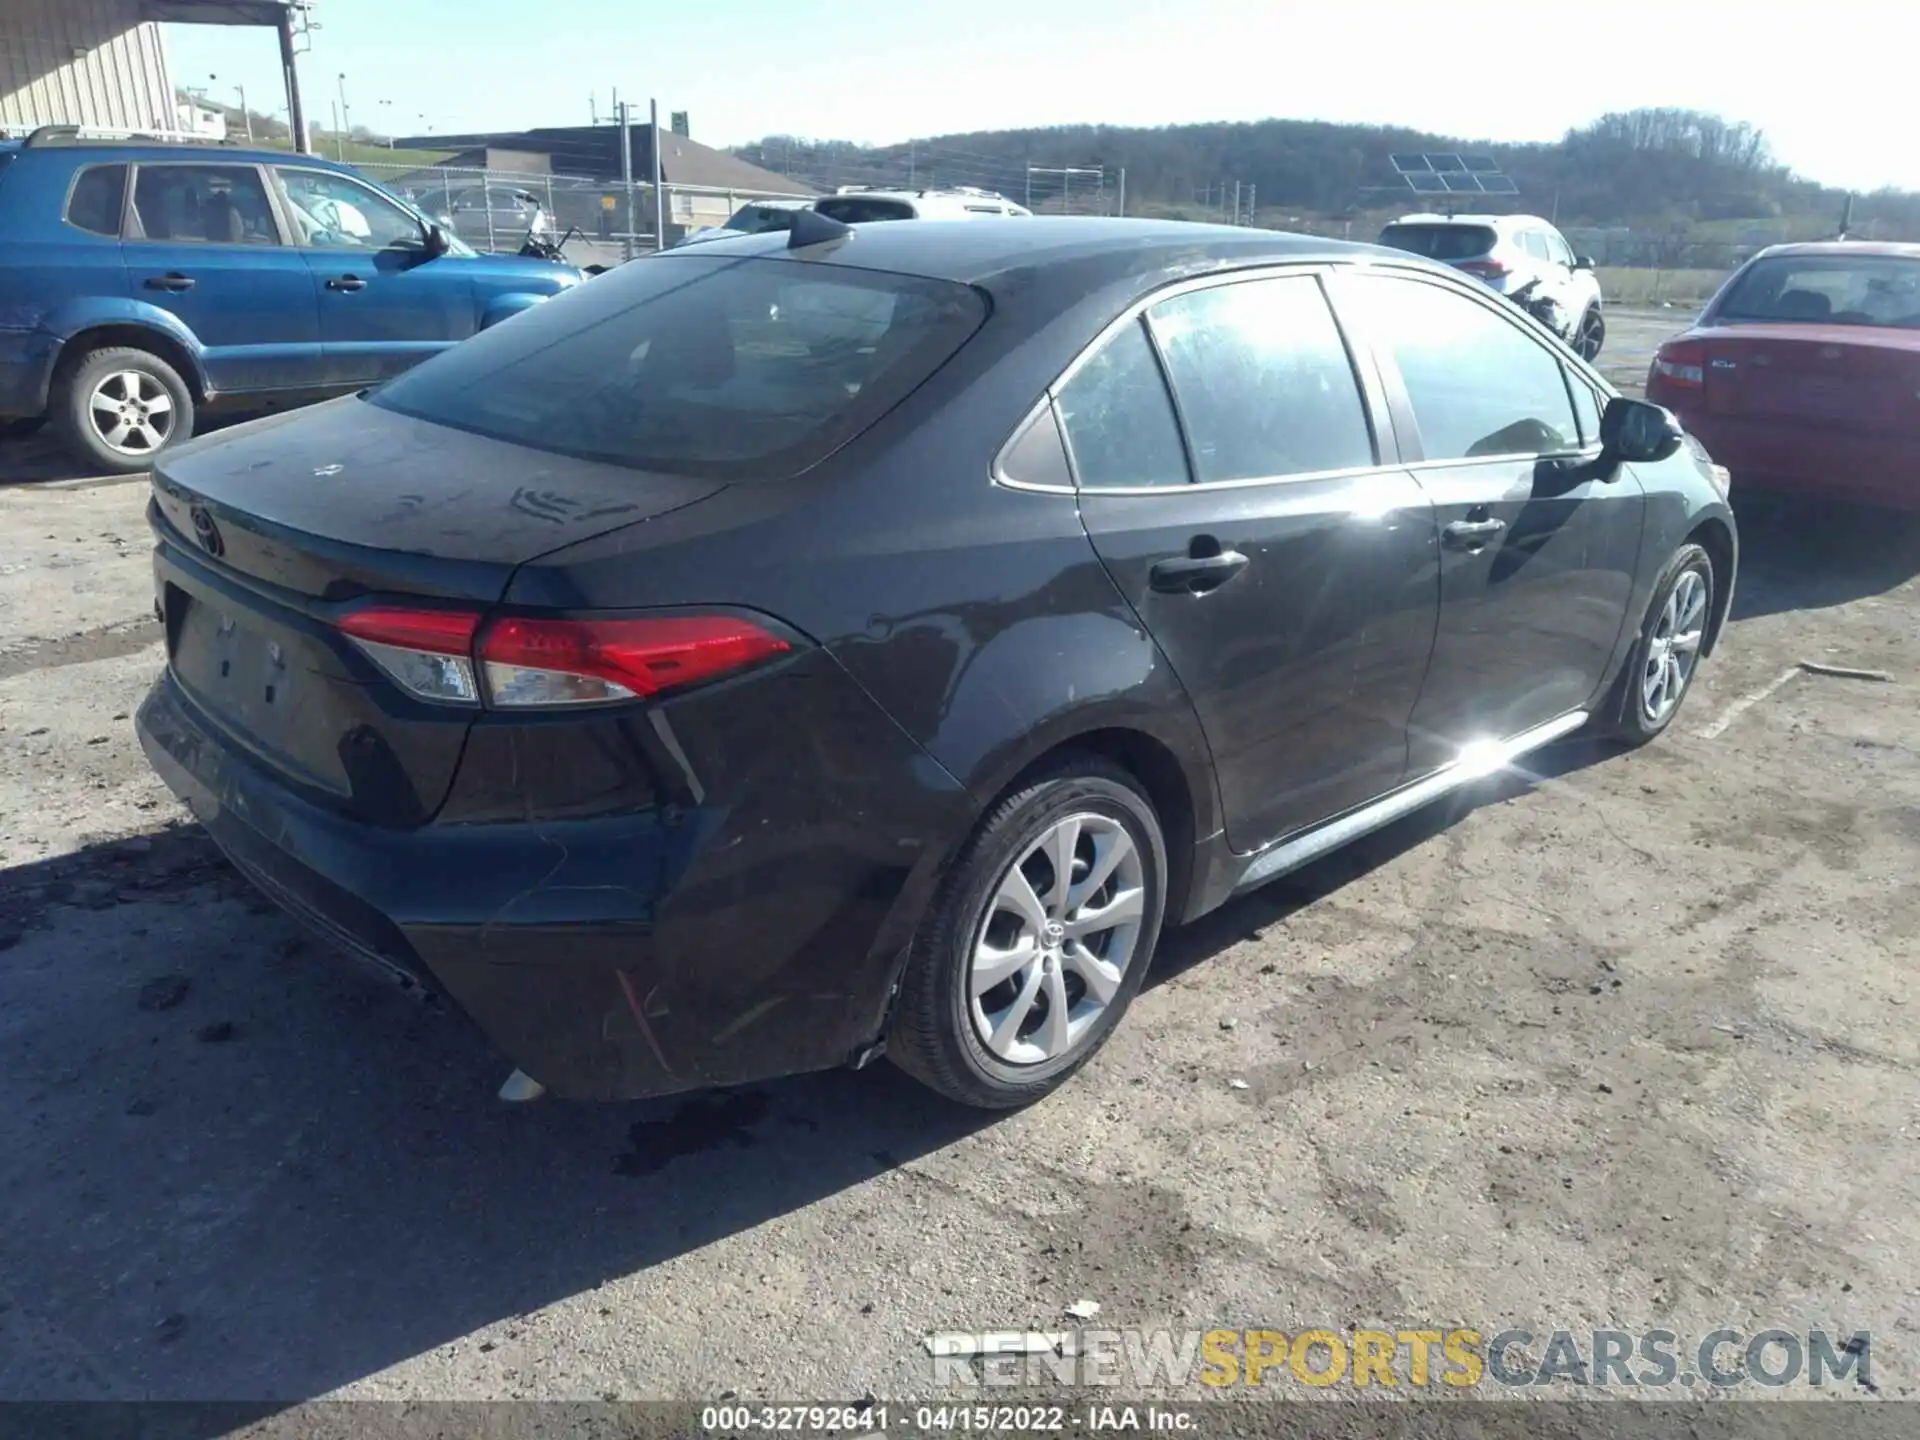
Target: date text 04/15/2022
[[939, 1419]]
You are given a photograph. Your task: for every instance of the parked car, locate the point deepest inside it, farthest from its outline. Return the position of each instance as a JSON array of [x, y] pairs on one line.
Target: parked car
[[806, 645], [863, 204], [1509, 252], [488, 216], [757, 217], [1803, 372], [141, 281]]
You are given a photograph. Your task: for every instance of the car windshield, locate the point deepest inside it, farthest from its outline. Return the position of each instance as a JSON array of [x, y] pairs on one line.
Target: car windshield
[[863, 210], [725, 367], [1439, 242], [1876, 290]]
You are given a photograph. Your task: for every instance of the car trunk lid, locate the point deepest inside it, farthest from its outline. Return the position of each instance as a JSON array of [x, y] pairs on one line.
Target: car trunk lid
[[270, 534], [1844, 376]]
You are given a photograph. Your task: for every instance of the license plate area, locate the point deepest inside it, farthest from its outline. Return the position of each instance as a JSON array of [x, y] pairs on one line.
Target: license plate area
[[255, 679]]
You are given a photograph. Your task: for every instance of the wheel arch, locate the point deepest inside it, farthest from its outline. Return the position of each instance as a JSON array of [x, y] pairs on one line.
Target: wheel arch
[[1715, 536], [123, 335]]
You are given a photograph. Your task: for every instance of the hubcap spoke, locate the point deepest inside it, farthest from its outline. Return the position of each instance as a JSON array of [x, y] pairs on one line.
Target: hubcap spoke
[[1125, 905], [1686, 643], [1102, 979], [1109, 849], [1006, 1032], [1061, 845], [991, 966], [1016, 896], [159, 403], [117, 435], [106, 403], [1055, 1031]]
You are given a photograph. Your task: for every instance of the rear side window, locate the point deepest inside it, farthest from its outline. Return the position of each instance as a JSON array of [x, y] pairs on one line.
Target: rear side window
[[734, 368], [99, 195], [859, 210], [1557, 250], [211, 204], [1119, 417], [1439, 242], [1263, 379], [1535, 244], [1478, 384]]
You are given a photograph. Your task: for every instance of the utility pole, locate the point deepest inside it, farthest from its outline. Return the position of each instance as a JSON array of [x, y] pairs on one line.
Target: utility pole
[[296, 111], [1120, 206], [339, 145], [626, 173], [659, 196], [593, 107], [346, 115], [1236, 202], [1253, 210]]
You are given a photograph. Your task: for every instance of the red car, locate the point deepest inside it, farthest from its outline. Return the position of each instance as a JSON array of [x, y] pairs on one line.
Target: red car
[[1803, 373]]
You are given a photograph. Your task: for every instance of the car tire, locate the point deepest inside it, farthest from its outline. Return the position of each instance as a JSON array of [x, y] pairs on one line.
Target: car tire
[[1590, 335], [155, 411], [1682, 604], [1001, 1048]]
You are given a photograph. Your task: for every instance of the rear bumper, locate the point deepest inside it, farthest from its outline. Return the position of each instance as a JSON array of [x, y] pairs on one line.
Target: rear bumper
[[1835, 463], [614, 957], [26, 372]]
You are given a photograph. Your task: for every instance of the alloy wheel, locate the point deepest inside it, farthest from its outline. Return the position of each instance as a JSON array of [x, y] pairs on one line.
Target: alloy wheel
[[1054, 946], [131, 412], [1674, 648], [1592, 335]]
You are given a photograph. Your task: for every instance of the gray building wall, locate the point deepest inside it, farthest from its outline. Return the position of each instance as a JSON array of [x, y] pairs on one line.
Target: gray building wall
[[82, 62]]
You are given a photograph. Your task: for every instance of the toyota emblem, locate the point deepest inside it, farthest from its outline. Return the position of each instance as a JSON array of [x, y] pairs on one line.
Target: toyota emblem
[[206, 532]]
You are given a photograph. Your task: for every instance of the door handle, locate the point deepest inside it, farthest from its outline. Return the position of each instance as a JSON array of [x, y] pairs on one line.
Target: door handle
[[174, 282], [346, 282], [1471, 534], [1196, 574]]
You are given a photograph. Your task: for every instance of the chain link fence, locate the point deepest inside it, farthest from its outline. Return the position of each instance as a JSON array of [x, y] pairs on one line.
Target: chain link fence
[[609, 220]]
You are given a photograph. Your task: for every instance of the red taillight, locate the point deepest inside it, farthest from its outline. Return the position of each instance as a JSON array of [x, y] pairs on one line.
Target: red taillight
[[1486, 269], [584, 662], [1682, 363], [439, 632], [536, 662], [427, 653]]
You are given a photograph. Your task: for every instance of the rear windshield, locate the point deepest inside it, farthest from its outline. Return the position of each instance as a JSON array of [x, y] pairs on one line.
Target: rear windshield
[[1878, 290], [859, 210], [1439, 242], [758, 219], [729, 367]]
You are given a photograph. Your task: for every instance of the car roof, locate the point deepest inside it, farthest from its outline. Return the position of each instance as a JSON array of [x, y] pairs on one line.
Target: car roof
[[979, 251], [1893, 248], [1497, 221], [130, 149]]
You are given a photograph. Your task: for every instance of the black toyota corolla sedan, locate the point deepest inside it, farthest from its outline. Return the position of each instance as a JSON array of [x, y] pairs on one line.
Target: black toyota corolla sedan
[[839, 642]]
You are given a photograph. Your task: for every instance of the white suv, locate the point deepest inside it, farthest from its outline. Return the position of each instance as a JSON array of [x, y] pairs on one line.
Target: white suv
[[1508, 251], [862, 205]]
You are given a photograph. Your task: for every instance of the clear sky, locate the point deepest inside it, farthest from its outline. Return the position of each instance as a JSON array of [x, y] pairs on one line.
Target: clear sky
[[1822, 85]]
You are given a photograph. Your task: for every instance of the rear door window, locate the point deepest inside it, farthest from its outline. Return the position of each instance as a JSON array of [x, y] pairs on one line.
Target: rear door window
[[732, 368], [1263, 380], [1479, 385], [1535, 244], [210, 204], [1439, 242], [98, 199], [1119, 417]]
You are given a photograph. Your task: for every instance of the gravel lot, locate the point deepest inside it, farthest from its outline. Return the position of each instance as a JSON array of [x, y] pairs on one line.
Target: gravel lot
[[1627, 1042]]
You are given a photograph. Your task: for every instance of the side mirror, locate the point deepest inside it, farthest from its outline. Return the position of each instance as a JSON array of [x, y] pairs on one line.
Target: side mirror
[[437, 243], [1583, 262], [1638, 432]]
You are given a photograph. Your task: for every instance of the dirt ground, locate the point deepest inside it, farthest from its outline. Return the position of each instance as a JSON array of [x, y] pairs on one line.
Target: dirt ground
[[1629, 1041]]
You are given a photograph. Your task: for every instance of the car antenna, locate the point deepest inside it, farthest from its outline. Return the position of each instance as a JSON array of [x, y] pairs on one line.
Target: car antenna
[[810, 227]]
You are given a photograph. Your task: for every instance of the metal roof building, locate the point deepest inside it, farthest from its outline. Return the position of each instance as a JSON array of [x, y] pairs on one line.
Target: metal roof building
[[103, 63]]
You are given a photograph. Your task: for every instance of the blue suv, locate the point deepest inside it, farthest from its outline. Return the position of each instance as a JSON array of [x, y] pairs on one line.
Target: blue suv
[[140, 281]]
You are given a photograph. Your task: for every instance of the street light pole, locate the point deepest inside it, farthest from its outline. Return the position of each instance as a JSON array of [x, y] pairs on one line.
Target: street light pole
[[346, 115], [246, 115]]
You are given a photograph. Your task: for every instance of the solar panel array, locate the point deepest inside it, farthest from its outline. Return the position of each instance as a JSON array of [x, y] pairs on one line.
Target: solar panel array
[[1453, 175]]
